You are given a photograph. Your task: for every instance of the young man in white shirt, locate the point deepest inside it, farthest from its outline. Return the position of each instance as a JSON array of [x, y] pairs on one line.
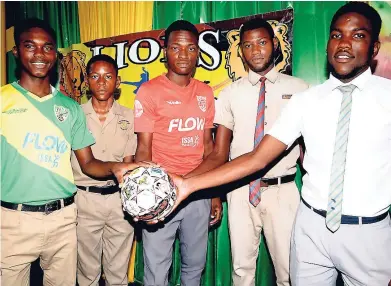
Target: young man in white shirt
[[343, 222]]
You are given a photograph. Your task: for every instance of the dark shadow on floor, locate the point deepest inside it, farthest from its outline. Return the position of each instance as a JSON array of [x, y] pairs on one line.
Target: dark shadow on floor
[[36, 277]]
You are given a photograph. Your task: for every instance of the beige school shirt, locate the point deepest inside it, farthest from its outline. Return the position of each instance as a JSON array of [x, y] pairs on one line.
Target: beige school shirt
[[115, 139], [236, 109]]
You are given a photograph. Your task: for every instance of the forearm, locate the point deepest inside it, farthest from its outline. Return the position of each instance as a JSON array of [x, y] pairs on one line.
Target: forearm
[[143, 154], [211, 162], [98, 169], [268, 150], [231, 171]]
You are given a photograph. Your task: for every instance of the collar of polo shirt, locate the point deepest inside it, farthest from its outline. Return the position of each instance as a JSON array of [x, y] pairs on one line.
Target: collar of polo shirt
[[271, 76]]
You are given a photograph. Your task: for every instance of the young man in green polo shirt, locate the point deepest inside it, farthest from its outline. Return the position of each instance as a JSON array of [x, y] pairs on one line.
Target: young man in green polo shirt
[[40, 127]]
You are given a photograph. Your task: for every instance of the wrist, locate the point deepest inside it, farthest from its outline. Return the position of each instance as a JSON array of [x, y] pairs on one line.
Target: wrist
[[111, 168], [188, 185]]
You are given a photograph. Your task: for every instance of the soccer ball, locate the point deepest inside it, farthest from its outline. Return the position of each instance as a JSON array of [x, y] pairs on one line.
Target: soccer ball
[[148, 193]]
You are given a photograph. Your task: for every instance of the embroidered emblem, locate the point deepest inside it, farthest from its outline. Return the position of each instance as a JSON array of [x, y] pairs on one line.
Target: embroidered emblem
[[123, 124], [61, 113], [286, 96], [202, 102]]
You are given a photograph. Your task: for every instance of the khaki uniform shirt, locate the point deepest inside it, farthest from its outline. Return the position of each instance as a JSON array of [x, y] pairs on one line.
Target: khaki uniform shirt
[[236, 109], [115, 139]]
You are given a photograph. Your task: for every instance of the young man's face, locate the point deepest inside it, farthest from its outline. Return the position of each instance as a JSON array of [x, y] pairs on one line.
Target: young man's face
[[102, 80], [182, 52], [258, 49], [350, 48], [36, 52]]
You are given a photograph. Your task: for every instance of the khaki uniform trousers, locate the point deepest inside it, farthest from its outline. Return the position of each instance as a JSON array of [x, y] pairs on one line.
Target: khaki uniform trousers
[[274, 215], [102, 232], [26, 236]]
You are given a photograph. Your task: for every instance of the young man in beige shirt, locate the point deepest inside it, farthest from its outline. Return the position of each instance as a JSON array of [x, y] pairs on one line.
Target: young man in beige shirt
[[236, 115]]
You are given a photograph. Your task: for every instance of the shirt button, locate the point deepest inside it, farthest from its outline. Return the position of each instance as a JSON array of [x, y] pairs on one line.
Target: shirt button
[[265, 123], [265, 106]]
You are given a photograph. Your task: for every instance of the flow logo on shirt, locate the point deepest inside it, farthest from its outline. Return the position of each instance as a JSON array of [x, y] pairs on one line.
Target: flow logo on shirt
[[189, 124]]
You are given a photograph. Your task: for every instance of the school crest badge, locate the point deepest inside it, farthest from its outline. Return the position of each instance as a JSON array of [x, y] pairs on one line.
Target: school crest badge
[[201, 102], [123, 124], [61, 113]]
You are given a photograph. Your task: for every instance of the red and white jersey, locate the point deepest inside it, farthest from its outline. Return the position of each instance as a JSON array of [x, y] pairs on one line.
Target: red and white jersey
[[177, 116]]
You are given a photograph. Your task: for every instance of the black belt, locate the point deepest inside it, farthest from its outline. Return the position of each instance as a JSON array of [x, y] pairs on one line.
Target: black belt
[[100, 190], [348, 219], [46, 208], [281, 180]]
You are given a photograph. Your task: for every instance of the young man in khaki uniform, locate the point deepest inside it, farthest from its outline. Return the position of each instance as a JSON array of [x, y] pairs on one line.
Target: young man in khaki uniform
[[236, 115], [102, 228]]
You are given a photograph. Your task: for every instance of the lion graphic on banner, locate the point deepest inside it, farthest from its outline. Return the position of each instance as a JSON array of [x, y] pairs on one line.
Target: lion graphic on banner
[[73, 74], [237, 68]]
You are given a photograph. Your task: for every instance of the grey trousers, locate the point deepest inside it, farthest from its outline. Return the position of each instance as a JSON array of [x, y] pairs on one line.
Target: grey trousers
[[192, 222], [361, 252]]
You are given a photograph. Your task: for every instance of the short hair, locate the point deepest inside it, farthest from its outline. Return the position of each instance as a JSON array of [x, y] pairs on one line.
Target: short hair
[[102, 58], [363, 9], [180, 25], [31, 23], [256, 23]]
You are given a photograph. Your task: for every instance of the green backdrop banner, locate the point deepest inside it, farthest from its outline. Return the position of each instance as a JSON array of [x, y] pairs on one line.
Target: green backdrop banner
[[310, 30]]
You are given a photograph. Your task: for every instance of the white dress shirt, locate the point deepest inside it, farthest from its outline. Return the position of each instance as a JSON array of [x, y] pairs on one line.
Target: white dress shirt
[[314, 114]]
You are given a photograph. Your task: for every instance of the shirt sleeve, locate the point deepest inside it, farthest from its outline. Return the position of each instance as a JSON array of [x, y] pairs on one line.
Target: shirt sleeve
[[80, 134], [288, 126], [210, 112], [144, 111], [223, 115]]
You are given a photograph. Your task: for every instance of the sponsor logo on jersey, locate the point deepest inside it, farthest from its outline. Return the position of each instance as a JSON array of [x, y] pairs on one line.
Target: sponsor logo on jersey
[[15, 110], [173, 102], [190, 141], [189, 124], [50, 148]]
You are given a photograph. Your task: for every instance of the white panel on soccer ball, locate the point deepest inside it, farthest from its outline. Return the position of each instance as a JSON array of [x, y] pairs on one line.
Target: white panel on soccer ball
[[162, 188], [146, 199], [131, 189], [136, 173], [145, 181], [133, 207], [157, 172]]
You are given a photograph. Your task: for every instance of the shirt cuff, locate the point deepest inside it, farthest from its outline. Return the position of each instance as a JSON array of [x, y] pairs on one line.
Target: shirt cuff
[[225, 124]]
